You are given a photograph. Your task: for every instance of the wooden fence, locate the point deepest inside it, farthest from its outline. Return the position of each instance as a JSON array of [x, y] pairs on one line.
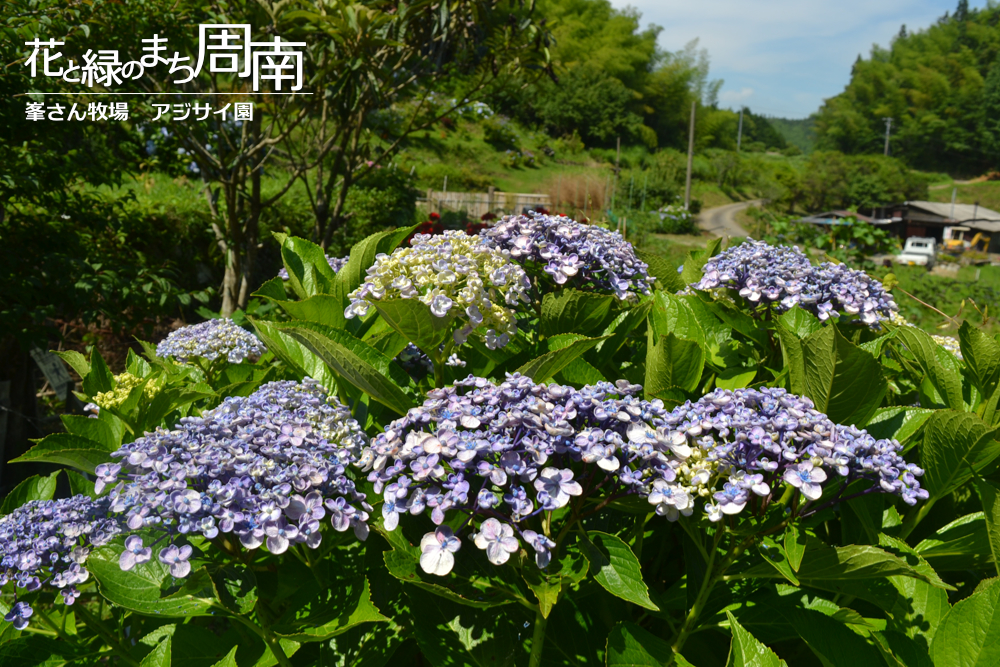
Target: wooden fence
[[475, 204]]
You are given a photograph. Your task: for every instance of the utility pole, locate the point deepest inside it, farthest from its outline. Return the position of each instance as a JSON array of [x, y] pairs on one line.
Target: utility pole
[[888, 126], [739, 132], [687, 184], [954, 192]]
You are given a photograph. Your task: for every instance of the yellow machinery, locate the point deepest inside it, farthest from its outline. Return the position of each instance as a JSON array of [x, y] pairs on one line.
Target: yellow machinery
[[979, 238]]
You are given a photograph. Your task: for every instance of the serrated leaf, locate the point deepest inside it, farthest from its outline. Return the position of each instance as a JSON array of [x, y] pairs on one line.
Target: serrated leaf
[[955, 446], [543, 367], [924, 350], [355, 361], [672, 363], [293, 353], [800, 322], [617, 570], [982, 355], [66, 449], [76, 361], [99, 378], [97, 430], [897, 422], [673, 315], [363, 256], [573, 311], [844, 381], [989, 494], [795, 546], [33, 488], [413, 320], [160, 656], [140, 589], [969, 635], [962, 544], [323, 624], [229, 660], [660, 269], [631, 646], [309, 273], [79, 485], [746, 651]]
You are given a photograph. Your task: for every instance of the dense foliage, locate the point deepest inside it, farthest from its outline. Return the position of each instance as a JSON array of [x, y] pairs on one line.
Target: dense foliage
[[676, 465], [940, 85]]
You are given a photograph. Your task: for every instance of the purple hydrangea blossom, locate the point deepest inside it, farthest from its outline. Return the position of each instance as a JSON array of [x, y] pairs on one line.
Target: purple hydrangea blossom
[[746, 443], [336, 263], [572, 253], [46, 543], [263, 468], [507, 453], [437, 551], [210, 340], [780, 277]]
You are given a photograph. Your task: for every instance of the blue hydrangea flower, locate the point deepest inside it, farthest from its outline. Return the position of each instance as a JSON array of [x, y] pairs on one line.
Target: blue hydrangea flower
[[265, 468], [336, 263], [572, 253], [781, 277], [210, 340], [45, 543]]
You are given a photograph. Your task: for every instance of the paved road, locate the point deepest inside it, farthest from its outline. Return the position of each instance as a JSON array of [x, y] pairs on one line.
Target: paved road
[[721, 220]]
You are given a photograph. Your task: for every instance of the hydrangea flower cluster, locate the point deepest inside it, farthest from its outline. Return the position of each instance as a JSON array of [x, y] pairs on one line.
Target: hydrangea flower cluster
[[781, 277], [949, 343], [734, 445], [264, 469], [46, 542], [336, 263], [450, 271], [508, 453], [572, 253], [124, 384], [210, 340]]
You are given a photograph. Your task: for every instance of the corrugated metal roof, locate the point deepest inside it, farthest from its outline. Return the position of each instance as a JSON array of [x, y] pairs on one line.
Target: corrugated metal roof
[[963, 213]]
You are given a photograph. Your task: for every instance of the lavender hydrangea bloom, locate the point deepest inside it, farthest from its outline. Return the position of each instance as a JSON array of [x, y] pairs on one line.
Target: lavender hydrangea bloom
[[336, 263], [210, 340], [263, 468], [508, 453], [745, 443], [572, 253], [780, 277], [452, 273], [436, 551], [46, 542]]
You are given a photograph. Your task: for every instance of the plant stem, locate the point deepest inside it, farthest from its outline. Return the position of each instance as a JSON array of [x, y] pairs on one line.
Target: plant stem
[[97, 626], [712, 576], [538, 640], [269, 637]]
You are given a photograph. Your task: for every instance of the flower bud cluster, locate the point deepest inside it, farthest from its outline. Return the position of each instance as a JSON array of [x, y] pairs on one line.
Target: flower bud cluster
[[572, 253], [264, 468], [733, 445], [949, 343], [210, 340], [781, 277], [124, 384], [507, 453], [336, 263], [454, 274], [46, 542]]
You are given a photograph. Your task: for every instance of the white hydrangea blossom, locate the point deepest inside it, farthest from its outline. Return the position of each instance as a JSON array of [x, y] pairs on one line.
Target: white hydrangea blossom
[[450, 271]]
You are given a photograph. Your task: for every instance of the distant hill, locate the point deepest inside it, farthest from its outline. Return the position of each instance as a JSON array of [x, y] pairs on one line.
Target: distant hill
[[940, 86], [797, 132]]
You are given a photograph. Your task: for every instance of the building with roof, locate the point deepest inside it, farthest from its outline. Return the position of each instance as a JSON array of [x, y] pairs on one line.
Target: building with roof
[[941, 221]]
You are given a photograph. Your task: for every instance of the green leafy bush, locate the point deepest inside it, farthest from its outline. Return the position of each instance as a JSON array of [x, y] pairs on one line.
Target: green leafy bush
[[676, 474]]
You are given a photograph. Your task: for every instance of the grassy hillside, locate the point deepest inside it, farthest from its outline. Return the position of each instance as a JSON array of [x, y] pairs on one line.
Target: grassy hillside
[[797, 132], [987, 193]]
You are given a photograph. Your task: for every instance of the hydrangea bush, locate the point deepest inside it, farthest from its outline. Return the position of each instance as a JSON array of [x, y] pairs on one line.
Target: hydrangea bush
[[777, 278], [211, 340], [454, 274], [568, 252], [662, 472]]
